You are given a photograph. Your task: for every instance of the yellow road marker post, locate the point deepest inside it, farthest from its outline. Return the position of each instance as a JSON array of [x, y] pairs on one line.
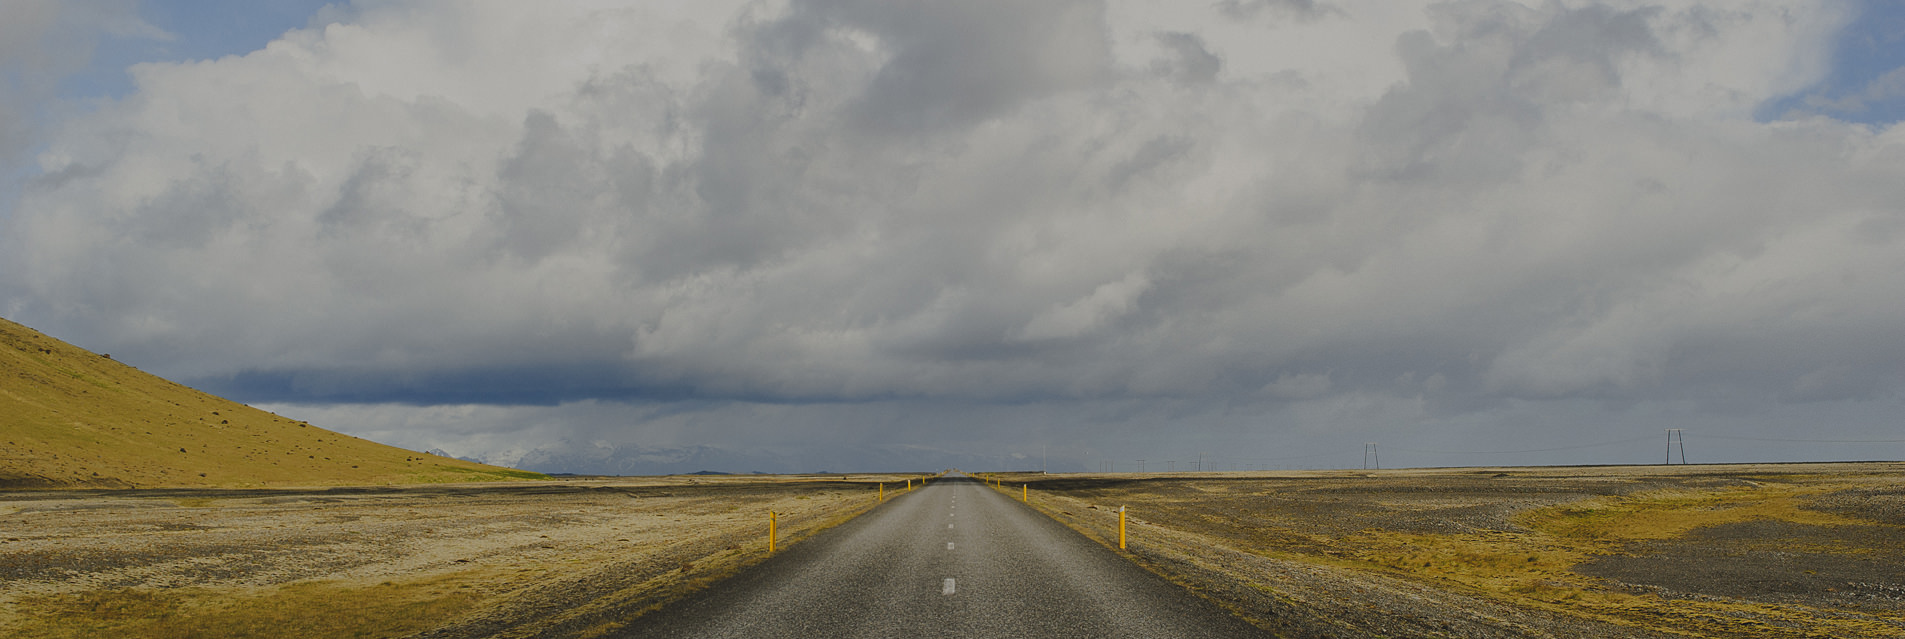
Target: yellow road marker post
[[1121, 527], [771, 525], [1025, 493], [882, 492], [909, 484]]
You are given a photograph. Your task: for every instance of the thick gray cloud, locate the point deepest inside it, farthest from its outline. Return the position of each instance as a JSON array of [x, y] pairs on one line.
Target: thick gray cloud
[[973, 227], [1300, 9]]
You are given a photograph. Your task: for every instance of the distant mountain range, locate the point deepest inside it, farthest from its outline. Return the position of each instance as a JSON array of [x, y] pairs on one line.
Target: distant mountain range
[[596, 459]]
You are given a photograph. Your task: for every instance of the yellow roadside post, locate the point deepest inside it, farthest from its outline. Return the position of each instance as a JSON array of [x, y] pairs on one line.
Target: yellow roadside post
[[771, 523], [909, 484], [882, 491], [1121, 527], [1025, 493]]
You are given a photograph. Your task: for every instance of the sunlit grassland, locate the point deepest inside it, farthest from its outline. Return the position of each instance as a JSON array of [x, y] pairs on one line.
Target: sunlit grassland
[[73, 418]]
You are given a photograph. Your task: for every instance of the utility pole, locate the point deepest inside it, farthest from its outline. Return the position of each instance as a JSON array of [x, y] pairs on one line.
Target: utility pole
[[1675, 436], [1369, 453], [1200, 462], [1141, 465], [1172, 465]]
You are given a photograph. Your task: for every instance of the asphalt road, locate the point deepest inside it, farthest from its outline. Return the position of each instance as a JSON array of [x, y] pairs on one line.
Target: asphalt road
[[953, 559]]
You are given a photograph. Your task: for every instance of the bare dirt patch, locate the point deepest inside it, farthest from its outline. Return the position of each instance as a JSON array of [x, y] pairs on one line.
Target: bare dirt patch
[[563, 558], [1788, 550]]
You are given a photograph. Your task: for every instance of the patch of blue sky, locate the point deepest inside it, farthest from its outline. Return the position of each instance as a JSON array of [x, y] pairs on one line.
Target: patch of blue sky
[[1866, 83], [200, 30], [185, 30]]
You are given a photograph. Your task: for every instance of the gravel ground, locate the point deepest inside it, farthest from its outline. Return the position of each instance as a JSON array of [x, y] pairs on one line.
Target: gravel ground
[[1844, 567]]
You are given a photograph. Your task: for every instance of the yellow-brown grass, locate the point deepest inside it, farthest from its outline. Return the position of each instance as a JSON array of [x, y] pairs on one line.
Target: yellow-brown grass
[[568, 558], [308, 609], [1533, 563], [73, 418]]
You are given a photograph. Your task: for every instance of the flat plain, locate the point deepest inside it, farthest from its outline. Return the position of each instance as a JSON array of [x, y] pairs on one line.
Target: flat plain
[[505, 559], [1771, 550], [1766, 550]]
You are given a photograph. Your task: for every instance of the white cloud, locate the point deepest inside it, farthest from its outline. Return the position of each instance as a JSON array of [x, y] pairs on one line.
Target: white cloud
[[42, 42], [1301, 386], [1106, 303], [990, 203]]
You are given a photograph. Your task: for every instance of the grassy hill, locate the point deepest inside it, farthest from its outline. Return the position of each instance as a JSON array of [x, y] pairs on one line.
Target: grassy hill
[[73, 418]]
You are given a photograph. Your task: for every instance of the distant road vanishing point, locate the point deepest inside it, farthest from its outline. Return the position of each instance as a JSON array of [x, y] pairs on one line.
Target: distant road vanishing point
[[953, 559]]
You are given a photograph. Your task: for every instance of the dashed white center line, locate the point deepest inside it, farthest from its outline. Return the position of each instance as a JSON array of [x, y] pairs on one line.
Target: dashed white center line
[[948, 525], [948, 588], [949, 545]]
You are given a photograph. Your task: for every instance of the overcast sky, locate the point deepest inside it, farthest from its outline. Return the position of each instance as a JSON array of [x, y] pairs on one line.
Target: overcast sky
[[869, 234]]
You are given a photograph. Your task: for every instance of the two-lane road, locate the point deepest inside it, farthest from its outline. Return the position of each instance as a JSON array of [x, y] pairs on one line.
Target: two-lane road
[[952, 559]]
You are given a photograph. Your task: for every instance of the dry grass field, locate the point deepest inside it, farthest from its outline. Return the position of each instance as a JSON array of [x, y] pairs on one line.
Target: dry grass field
[[73, 418], [1784, 550], [544, 559]]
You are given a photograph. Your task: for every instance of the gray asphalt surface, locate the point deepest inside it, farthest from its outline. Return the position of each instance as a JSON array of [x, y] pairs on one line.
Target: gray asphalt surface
[[1014, 572]]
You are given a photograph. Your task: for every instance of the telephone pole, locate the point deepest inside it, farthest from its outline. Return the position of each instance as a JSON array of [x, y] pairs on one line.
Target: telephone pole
[[1674, 436]]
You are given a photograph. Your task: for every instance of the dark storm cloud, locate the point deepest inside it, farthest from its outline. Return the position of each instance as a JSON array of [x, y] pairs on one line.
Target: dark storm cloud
[[811, 218]]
